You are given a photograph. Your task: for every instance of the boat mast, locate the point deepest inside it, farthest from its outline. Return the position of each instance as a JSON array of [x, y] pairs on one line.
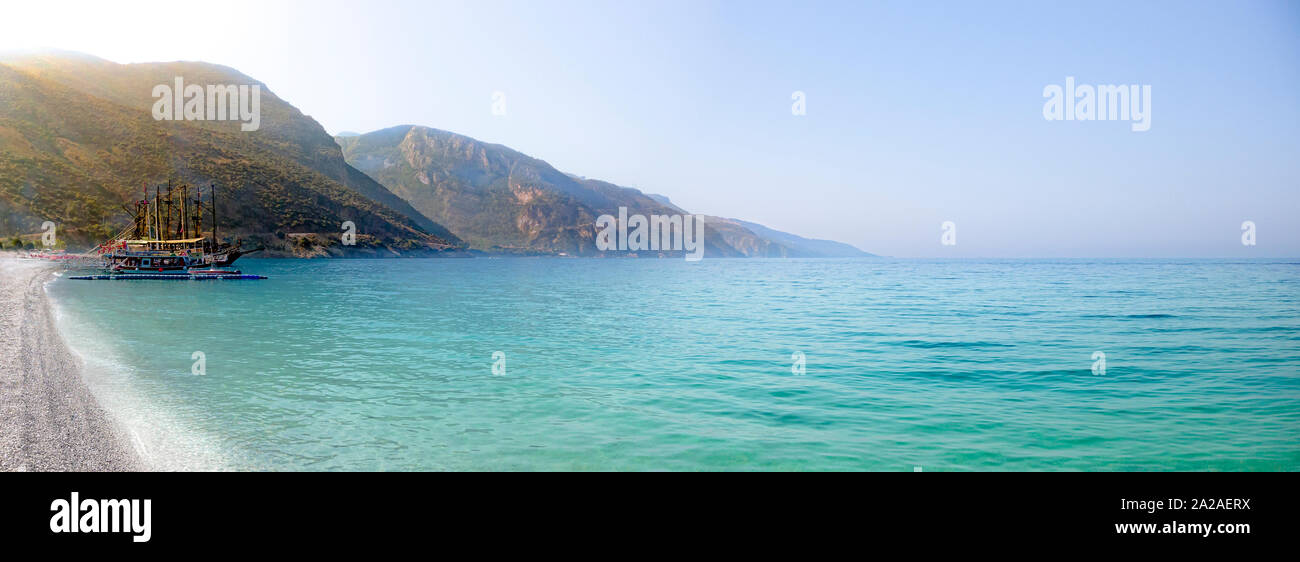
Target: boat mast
[[197, 219], [142, 214], [185, 196], [157, 212], [167, 222], [214, 216], [137, 220]]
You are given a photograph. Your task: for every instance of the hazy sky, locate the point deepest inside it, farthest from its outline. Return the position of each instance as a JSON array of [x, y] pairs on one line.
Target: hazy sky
[[917, 112]]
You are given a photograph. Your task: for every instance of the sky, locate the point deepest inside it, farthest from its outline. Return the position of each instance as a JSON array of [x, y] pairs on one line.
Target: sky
[[915, 113]]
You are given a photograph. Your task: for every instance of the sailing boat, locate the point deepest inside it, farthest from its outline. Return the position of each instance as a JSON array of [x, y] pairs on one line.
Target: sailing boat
[[166, 240]]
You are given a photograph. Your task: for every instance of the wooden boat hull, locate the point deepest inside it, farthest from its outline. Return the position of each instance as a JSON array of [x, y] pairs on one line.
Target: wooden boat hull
[[166, 276]]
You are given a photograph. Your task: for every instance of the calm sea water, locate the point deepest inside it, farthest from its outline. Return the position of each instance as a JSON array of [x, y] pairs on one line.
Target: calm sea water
[[669, 365]]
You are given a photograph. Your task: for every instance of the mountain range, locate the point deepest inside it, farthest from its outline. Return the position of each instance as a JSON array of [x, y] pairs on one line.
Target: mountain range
[[78, 141], [500, 200]]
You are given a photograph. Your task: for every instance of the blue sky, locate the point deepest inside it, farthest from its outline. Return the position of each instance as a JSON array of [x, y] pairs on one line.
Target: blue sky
[[917, 112]]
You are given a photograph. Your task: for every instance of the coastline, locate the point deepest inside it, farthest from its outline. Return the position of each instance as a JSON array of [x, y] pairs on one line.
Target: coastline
[[49, 419]]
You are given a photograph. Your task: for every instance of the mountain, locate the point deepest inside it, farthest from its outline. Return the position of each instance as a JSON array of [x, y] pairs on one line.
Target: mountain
[[806, 247], [78, 139], [493, 197], [660, 198], [500, 200]]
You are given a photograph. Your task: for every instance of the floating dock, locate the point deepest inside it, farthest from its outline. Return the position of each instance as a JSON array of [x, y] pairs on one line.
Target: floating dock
[[172, 277]]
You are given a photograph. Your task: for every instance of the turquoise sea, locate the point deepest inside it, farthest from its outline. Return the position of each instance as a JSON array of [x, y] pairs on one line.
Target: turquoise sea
[[668, 365]]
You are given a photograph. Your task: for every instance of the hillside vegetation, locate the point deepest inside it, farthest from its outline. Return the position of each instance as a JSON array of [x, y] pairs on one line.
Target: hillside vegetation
[[78, 140]]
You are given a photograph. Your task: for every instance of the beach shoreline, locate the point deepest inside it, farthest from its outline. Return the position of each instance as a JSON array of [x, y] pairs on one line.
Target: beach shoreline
[[49, 418]]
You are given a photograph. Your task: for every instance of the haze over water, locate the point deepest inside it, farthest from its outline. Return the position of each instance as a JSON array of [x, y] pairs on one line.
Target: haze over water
[[662, 364]]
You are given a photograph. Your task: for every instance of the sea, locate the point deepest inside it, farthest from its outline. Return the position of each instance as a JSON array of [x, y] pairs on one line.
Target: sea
[[523, 364]]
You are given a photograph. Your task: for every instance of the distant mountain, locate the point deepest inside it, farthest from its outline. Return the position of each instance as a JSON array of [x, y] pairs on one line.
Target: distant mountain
[[660, 198], [78, 140], [773, 243], [500, 200], [496, 198], [806, 247]]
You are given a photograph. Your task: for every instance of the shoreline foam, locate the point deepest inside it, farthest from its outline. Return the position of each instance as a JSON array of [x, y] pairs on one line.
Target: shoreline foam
[[49, 418]]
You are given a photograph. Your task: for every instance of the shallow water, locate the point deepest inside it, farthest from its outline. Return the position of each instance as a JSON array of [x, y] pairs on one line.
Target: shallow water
[[669, 365]]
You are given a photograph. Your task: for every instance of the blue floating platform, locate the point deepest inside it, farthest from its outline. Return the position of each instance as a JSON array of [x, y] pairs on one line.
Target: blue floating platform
[[186, 277]]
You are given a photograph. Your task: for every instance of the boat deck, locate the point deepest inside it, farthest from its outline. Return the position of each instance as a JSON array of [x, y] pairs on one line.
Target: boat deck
[[171, 277]]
